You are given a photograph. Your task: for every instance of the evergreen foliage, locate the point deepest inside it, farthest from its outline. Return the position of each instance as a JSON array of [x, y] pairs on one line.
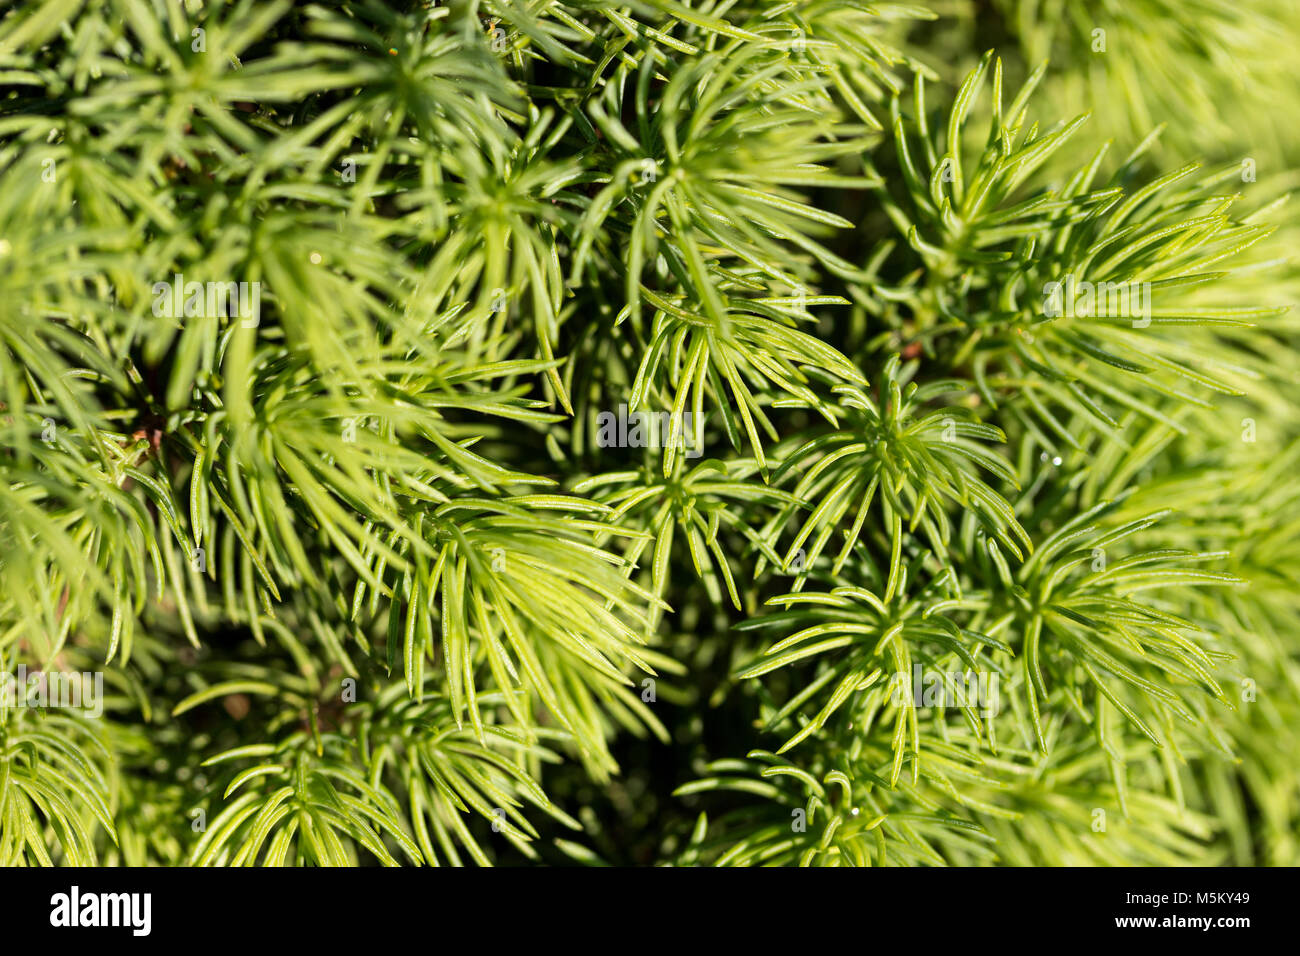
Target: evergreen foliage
[[643, 400]]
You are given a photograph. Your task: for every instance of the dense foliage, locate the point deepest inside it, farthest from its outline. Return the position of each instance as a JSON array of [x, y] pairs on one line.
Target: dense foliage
[[668, 432]]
